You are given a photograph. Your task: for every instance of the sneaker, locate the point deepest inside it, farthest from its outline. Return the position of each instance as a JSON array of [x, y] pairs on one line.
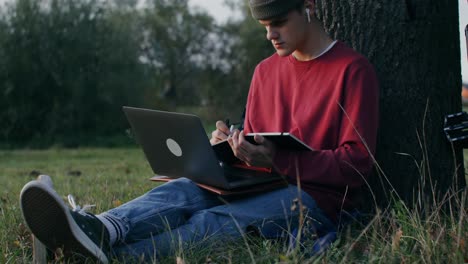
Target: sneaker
[[57, 226]]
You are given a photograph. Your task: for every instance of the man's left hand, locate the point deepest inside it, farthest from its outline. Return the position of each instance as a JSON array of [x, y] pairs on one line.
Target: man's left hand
[[260, 154]]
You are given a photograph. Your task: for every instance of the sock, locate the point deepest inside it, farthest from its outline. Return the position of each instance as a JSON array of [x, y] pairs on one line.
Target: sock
[[115, 227]]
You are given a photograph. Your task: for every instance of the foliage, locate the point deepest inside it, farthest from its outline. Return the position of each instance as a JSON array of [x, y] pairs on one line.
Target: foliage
[[175, 45], [68, 66], [244, 46]]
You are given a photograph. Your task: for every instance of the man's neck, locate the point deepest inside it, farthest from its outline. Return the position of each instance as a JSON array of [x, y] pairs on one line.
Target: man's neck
[[316, 42]]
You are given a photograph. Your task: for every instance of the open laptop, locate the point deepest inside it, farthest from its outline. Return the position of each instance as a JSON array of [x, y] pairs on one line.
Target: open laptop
[[176, 145]]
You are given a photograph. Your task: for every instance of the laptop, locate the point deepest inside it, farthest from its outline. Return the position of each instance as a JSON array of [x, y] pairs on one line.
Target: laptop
[[176, 145]]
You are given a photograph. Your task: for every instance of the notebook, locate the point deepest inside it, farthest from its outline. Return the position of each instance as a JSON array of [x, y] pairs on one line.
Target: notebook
[[283, 140], [176, 145]]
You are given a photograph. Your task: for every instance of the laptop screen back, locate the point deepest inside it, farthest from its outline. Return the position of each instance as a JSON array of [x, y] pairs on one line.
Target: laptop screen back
[[176, 145]]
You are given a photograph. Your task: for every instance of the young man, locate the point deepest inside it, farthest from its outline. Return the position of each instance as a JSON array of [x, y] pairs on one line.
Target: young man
[[313, 87]]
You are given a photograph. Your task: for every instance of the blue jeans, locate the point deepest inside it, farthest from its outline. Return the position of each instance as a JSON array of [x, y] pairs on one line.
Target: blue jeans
[[180, 213]]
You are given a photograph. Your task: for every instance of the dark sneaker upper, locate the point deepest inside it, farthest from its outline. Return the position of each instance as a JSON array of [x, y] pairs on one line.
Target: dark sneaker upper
[[57, 226]]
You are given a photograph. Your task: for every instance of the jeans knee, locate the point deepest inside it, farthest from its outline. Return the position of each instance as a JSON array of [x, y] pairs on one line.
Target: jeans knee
[[215, 223], [177, 188], [182, 182]]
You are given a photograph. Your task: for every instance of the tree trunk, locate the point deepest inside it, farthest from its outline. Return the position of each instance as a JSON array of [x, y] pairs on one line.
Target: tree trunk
[[414, 46]]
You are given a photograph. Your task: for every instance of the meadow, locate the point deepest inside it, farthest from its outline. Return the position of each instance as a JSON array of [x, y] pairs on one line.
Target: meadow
[[110, 177]]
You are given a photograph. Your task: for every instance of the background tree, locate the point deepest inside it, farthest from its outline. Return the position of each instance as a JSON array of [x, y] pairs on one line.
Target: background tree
[[176, 43], [414, 46], [244, 46], [67, 68]]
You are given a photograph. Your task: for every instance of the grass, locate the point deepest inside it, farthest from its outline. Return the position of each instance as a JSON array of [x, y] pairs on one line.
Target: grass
[[109, 177], [105, 177]]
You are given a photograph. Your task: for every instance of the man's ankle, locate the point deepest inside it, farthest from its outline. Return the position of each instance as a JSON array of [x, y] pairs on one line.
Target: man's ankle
[[114, 226]]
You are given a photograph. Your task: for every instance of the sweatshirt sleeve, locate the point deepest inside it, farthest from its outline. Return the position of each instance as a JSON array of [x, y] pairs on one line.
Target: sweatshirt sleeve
[[252, 90], [352, 160]]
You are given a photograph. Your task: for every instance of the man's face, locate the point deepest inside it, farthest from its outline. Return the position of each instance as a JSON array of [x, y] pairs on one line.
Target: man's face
[[286, 33]]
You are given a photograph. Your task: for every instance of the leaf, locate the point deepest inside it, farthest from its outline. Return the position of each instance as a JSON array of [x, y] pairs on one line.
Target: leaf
[[117, 202], [180, 260], [396, 239]]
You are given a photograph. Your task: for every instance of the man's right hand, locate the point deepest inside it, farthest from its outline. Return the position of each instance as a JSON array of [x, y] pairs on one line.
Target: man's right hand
[[220, 134]]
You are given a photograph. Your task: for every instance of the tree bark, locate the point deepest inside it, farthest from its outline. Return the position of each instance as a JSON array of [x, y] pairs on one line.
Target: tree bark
[[414, 46]]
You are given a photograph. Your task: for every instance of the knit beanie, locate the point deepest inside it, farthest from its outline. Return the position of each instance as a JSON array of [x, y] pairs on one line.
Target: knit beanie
[[264, 9]]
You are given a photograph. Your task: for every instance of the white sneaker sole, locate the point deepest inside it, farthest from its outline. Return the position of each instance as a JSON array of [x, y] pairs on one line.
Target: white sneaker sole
[[49, 219]]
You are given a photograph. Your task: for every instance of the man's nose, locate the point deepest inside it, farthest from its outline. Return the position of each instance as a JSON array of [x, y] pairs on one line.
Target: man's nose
[[271, 34]]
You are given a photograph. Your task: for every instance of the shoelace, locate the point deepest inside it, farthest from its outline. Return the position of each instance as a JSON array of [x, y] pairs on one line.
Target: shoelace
[[77, 208]]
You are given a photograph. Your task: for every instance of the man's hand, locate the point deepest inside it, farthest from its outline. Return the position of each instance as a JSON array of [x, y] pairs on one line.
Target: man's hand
[[260, 155], [220, 134]]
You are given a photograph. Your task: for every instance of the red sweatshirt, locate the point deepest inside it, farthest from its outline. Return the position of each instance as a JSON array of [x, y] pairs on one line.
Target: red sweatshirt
[[330, 103]]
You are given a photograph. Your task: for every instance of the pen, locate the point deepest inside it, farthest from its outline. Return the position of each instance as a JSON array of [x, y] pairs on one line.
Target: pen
[[231, 128]]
